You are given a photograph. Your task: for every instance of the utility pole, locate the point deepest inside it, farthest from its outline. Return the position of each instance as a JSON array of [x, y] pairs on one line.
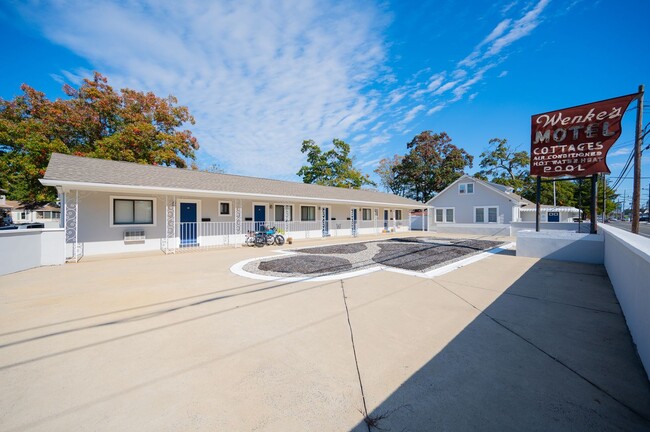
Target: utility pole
[[624, 200], [636, 193]]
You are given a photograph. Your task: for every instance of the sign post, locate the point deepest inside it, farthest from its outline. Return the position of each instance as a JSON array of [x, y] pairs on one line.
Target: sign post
[[594, 204], [538, 194]]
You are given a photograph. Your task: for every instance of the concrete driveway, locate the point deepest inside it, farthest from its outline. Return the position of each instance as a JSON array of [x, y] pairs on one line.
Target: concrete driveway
[[168, 343]]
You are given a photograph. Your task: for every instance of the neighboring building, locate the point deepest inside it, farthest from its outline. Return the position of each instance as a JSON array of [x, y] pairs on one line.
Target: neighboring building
[[119, 206], [469, 200], [48, 214]]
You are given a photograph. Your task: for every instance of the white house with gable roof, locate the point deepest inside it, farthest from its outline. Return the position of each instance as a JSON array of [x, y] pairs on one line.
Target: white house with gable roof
[[473, 205]]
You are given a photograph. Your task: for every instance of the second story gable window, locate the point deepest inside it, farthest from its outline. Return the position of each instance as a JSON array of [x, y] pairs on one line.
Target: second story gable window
[[466, 188]]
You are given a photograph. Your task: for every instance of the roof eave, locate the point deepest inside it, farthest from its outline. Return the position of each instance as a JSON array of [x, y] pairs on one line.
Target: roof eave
[[67, 186]]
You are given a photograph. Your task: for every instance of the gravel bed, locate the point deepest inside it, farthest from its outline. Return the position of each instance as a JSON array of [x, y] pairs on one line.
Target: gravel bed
[[305, 264], [419, 254], [423, 257]]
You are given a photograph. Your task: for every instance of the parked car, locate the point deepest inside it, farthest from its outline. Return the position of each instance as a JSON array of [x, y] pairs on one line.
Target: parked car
[[643, 218], [31, 225]]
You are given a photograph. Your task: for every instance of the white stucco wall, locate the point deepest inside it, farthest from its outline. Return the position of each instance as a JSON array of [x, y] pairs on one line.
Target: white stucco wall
[[627, 260], [29, 248]]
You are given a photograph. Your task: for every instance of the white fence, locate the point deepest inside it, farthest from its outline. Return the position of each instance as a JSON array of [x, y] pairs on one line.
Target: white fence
[[206, 235]]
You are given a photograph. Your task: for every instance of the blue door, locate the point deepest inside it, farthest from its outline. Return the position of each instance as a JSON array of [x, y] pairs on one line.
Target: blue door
[[188, 224], [385, 219], [259, 216], [553, 216], [326, 221], [354, 222]]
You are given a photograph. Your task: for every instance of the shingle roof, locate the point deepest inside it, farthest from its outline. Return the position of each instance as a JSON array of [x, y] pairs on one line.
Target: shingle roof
[[76, 169]]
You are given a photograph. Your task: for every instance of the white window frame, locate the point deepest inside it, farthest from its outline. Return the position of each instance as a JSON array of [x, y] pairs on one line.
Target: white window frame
[[444, 214], [463, 188], [363, 211], [111, 216], [304, 220], [219, 214], [293, 213], [486, 213]]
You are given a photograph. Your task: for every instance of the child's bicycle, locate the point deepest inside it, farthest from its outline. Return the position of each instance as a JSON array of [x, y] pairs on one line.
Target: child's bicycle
[[271, 236]]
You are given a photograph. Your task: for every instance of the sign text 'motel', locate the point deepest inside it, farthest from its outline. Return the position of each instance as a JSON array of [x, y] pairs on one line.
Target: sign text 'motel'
[[575, 141]]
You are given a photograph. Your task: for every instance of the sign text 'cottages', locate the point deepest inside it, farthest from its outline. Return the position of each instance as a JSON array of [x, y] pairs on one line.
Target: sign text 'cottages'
[[575, 141]]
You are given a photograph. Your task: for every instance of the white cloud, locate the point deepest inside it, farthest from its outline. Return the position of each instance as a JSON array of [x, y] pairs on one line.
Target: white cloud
[[497, 32], [435, 81], [464, 87], [502, 74], [410, 115], [258, 77], [436, 108], [623, 151], [445, 87], [520, 28]]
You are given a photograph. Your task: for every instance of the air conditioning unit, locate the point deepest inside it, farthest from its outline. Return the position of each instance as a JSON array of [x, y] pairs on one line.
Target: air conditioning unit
[[134, 236]]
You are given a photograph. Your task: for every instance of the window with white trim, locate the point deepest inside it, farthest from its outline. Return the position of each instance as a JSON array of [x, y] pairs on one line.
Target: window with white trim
[[133, 211], [486, 214], [307, 213], [279, 212], [466, 188], [398, 214], [224, 208], [366, 214], [445, 214]]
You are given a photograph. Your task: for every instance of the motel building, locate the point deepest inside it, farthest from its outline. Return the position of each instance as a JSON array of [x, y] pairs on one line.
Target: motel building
[[113, 207]]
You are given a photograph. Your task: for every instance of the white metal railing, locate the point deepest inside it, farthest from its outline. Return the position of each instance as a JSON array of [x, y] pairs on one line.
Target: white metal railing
[[207, 235]]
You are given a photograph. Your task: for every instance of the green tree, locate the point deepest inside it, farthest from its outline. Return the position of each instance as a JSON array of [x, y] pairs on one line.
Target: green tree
[[331, 168], [95, 121], [387, 172], [431, 164], [585, 197], [566, 192], [504, 165]]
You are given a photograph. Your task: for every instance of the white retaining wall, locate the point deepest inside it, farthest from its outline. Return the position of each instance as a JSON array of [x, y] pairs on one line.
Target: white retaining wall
[[472, 228], [29, 248], [561, 245], [627, 260], [515, 227]]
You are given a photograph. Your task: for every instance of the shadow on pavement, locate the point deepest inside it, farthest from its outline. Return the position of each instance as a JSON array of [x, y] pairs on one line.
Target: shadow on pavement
[[553, 352]]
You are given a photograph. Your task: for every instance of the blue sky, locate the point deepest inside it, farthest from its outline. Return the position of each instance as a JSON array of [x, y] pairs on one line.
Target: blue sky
[[262, 76]]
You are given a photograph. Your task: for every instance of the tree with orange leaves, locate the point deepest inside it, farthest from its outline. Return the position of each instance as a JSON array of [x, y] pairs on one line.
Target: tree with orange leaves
[[94, 121]]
